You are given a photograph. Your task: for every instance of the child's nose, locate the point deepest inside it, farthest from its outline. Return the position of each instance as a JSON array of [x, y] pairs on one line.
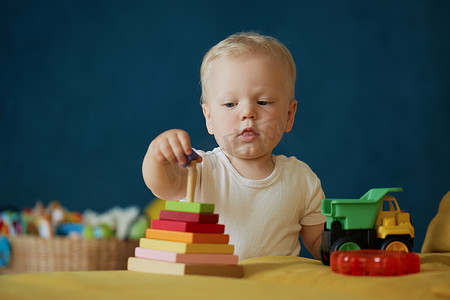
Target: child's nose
[[248, 112]]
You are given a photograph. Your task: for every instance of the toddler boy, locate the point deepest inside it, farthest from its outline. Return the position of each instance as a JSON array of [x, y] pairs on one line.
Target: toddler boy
[[265, 201]]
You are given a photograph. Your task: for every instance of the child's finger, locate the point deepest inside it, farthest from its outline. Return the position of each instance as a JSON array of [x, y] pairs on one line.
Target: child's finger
[[159, 156], [165, 150], [185, 142], [177, 150]]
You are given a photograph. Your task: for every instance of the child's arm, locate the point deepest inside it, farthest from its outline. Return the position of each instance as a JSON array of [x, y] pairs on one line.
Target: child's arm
[[312, 238], [162, 167]]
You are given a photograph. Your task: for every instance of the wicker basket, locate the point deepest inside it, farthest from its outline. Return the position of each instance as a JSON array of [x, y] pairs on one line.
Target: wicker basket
[[35, 254]]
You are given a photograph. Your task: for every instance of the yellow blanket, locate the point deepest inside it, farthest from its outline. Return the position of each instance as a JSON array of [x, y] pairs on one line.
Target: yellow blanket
[[265, 278]]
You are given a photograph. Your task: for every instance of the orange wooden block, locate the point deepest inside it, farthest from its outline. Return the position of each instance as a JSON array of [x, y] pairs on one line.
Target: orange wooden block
[[187, 237]]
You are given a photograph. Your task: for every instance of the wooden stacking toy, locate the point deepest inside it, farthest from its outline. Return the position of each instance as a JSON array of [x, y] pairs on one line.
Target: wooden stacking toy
[[186, 239]]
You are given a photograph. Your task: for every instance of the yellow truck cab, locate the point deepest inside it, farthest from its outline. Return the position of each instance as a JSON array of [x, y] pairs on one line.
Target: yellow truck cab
[[391, 221]]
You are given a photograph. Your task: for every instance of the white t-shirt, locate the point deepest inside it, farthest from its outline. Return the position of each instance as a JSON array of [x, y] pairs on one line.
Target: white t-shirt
[[263, 217]]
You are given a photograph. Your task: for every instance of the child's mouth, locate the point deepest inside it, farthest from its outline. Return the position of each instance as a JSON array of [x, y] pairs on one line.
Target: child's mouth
[[248, 135]]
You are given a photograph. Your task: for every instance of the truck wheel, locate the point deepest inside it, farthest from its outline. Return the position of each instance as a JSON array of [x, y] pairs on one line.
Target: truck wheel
[[395, 244], [325, 257], [345, 244]]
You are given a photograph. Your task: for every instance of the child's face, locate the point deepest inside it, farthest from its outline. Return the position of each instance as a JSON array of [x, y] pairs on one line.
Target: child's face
[[248, 105]]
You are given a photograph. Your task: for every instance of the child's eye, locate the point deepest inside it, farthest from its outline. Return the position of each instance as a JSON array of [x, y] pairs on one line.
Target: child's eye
[[229, 105], [262, 102]]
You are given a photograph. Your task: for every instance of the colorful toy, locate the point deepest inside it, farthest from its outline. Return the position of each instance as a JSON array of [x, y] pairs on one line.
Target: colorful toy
[[57, 213], [138, 228], [153, 209], [186, 239], [73, 229], [12, 223], [5, 251], [374, 221], [45, 228], [54, 219], [116, 220], [374, 262]]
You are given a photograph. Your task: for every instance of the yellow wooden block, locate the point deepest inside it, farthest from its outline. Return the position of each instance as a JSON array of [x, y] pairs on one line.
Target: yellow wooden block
[[160, 267], [180, 247]]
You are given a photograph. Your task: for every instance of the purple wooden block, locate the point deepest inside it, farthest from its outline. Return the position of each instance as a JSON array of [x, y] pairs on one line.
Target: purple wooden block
[[190, 158]]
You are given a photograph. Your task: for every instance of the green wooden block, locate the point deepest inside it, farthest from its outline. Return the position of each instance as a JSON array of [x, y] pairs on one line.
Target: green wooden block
[[193, 207]]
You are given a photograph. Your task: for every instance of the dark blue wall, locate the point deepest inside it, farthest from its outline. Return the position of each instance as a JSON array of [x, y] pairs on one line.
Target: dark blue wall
[[86, 85]]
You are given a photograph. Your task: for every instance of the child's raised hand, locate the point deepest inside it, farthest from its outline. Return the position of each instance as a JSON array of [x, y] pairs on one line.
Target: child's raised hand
[[171, 146]]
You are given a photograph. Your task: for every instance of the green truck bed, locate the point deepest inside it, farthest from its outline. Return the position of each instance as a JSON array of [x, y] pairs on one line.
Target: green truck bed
[[355, 213]]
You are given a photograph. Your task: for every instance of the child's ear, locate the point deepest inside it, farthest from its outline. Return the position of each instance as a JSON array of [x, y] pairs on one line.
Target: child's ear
[[291, 115], [207, 118]]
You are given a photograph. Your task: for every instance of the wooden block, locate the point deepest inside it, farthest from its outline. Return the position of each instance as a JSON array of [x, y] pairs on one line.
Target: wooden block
[[193, 207], [187, 258], [187, 237], [189, 217], [185, 247], [161, 267], [187, 226]]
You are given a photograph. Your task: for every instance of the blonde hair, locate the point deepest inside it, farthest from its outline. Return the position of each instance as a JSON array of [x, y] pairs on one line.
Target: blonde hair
[[249, 43]]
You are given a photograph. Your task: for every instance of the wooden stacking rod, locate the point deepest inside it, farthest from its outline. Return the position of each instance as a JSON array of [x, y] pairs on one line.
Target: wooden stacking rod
[[192, 179]]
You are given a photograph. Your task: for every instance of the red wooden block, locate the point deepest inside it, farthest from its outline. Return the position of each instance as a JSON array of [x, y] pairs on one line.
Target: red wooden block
[[188, 226], [189, 217]]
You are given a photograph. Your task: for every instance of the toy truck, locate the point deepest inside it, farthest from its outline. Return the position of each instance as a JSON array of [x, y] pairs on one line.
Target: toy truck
[[374, 221]]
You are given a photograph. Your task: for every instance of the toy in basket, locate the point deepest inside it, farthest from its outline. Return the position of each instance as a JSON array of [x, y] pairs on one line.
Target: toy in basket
[[186, 239], [29, 242]]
